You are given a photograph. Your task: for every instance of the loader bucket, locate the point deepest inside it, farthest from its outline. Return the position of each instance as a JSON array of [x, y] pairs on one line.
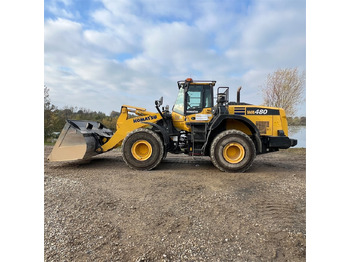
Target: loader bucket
[[79, 139]]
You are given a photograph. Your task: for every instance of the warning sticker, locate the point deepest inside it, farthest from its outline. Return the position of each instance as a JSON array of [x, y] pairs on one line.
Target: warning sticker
[[203, 117]]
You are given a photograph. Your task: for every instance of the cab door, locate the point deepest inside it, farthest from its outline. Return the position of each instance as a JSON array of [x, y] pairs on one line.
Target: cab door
[[193, 104], [199, 103]]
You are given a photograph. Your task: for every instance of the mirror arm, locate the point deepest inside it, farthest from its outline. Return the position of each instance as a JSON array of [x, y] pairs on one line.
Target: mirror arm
[[158, 104]]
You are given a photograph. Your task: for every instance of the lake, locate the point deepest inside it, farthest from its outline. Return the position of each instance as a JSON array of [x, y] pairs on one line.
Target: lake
[[299, 133]]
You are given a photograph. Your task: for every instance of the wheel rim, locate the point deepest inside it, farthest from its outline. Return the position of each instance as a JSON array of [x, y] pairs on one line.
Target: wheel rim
[[233, 153], [141, 150]]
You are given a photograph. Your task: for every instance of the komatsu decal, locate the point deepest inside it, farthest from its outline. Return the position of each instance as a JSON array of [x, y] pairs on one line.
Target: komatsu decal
[[142, 119]]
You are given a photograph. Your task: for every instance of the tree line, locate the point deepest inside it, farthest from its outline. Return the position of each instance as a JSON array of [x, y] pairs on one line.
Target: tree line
[[55, 118]]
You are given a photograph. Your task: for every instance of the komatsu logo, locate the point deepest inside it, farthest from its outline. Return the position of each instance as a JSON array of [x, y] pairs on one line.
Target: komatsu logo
[[142, 119]]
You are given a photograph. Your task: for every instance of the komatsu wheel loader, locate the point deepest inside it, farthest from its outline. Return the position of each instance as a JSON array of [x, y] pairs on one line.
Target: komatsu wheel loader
[[231, 133]]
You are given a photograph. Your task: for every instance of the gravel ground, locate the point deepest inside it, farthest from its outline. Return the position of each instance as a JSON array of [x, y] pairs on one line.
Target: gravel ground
[[185, 210]]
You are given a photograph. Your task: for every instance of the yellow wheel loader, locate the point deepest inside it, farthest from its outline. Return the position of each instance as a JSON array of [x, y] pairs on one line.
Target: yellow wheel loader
[[231, 133]]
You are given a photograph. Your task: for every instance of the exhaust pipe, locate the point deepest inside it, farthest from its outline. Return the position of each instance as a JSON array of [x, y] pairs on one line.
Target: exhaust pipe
[[239, 95]]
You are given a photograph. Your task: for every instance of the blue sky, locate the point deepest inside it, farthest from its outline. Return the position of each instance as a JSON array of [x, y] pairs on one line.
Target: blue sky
[[101, 54]]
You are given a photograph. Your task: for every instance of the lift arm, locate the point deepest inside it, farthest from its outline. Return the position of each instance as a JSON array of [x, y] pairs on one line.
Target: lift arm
[[126, 124]]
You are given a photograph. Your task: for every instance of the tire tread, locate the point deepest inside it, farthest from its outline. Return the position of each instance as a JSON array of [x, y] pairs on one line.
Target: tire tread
[[156, 137], [223, 134]]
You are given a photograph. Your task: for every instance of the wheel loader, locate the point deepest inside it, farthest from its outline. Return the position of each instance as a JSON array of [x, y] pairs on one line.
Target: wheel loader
[[231, 133]]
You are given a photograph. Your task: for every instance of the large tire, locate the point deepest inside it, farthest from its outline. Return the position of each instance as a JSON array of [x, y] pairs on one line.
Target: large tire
[[142, 149], [232, 151]]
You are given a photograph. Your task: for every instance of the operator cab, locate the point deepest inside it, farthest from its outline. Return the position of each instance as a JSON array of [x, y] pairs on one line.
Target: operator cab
[[193, 97]]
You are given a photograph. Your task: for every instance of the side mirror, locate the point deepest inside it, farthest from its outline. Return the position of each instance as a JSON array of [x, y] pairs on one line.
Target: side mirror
[[159, 102]]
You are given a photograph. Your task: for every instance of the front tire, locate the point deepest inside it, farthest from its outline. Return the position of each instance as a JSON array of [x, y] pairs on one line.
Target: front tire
[[142, 149], [232, 151]]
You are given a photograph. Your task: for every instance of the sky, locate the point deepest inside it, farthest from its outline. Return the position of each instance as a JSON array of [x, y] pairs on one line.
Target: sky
[[101, 54]]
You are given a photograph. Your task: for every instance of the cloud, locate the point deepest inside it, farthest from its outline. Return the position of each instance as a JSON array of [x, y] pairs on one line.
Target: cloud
[[272, 35], [137, 50], [58, 8], [63, 38]]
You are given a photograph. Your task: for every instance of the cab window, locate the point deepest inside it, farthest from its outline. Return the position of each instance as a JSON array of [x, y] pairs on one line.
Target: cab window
[[199, 97], [194, 98], [208, 96]]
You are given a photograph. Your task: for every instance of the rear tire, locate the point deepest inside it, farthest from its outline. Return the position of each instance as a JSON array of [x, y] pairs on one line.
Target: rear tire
[[142, 149], [232, 151]]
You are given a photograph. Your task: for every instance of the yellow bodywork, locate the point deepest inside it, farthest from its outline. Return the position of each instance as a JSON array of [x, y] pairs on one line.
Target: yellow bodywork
[[126, 124], [182, 122], [266, 123]]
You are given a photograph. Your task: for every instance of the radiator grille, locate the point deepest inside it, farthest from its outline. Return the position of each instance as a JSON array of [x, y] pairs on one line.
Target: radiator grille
[[262, 125]]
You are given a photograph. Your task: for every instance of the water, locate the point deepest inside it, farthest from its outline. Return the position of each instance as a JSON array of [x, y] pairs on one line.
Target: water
[[299, 133]]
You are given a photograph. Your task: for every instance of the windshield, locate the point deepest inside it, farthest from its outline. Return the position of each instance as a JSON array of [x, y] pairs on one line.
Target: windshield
[[179, 104]]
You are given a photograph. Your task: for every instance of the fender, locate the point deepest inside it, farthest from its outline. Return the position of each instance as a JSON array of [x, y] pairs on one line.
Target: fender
[[166, 137], [216, 121]]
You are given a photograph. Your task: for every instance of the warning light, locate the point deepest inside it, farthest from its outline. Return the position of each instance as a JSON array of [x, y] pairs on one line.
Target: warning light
[[189, 79]]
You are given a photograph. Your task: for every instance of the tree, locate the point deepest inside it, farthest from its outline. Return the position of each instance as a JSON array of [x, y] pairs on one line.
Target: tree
[[47, 102], [114, 114], [284, 88], [49, 116]]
